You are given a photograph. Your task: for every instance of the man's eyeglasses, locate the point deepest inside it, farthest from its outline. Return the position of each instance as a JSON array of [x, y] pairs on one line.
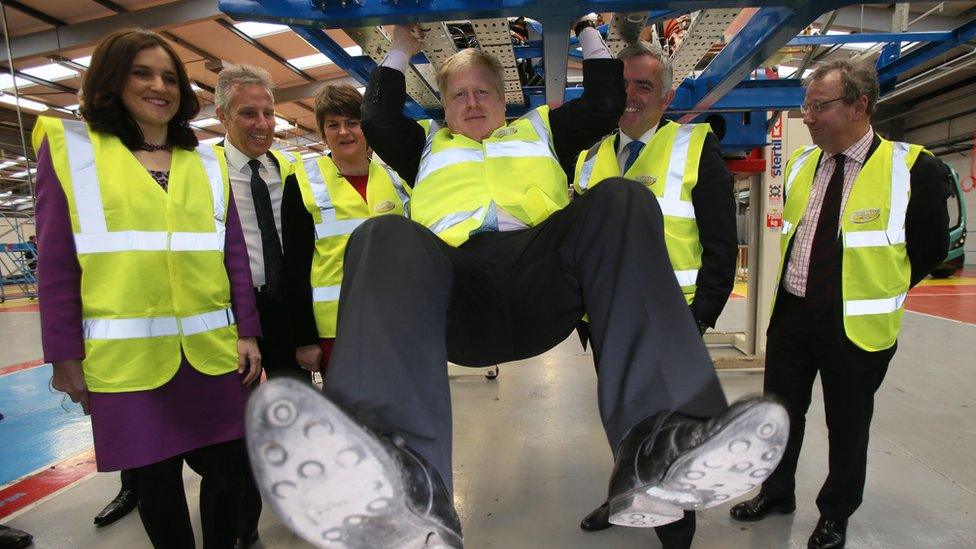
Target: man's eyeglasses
[[816, 107]]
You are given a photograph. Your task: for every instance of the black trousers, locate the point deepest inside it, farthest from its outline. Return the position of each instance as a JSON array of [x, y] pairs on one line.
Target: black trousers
[[409, 303], [278, 360], [162, 501], [277, 351], [678, 534], [799, 346]]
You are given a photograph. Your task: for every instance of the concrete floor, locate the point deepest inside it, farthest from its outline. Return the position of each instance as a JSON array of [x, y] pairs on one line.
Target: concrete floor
[[531, 458]]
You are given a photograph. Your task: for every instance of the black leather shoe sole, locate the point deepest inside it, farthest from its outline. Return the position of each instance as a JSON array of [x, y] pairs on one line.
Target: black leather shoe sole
[[331, 481], [122, 505], [731, 462]]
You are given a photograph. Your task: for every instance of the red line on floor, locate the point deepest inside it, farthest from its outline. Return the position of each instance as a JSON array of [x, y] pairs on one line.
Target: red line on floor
[[952, 307], [45, 483], [20, 308], [21, 367]]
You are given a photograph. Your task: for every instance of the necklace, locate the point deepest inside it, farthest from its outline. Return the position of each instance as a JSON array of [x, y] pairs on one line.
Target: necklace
[[152, 147]]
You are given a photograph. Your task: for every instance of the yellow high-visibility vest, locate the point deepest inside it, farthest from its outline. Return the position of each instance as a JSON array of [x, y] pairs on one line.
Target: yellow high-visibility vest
[[668, 167], [153, 279], [515, 168], [337, 209], [875, 271]]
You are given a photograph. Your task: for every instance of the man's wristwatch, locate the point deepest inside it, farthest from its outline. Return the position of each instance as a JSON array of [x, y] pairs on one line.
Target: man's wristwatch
[[582, 24]]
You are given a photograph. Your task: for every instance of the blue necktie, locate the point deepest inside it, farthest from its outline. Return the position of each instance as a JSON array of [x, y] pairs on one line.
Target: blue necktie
[[634, 149]]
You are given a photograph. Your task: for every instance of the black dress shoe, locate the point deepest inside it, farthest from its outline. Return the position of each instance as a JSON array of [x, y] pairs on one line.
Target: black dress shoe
[[598, 519], [829, 534], [247, 541], [758, 507], [122, 505], [671, 462], [11, 538], [330, 477]]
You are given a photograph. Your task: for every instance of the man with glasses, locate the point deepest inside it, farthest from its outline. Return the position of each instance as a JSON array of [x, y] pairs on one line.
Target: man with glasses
[[865, 220]]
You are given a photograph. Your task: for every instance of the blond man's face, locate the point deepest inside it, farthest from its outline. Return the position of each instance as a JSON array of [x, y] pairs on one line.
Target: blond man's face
[[473, 107]]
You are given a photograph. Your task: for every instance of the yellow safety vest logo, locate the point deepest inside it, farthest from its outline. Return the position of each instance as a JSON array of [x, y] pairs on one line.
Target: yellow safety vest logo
[[865, 216], [647, 180]]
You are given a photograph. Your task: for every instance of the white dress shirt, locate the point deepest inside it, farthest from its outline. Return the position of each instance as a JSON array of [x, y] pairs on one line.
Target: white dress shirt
[[240, 182]]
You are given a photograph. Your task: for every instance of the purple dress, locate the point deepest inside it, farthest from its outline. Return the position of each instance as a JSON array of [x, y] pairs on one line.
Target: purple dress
[[138, 428]]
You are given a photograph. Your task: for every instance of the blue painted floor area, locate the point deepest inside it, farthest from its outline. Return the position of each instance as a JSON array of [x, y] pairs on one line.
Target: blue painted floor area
[[35, 430]]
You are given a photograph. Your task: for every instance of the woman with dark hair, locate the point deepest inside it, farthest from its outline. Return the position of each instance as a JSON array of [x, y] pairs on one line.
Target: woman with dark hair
[[334, 195], [147, 313]]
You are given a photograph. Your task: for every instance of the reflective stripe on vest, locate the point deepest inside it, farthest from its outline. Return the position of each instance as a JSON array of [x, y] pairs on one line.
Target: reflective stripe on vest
[[95, 236], [326, 293], [131, 328], [400, 187], [330, 226], [671, 203], [430, 163], [900, 188], [857, 307], [797, 164], [893, 234], [686, 278], [453, 219]]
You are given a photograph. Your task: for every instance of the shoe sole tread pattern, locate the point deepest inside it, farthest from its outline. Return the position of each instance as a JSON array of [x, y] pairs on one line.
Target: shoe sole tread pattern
[[729, 464], [331, 481]]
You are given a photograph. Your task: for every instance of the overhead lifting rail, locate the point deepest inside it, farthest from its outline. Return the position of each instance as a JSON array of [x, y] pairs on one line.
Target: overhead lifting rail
[[724, 86]]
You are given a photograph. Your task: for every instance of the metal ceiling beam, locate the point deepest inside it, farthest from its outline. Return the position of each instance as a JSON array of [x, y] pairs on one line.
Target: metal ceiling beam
[[354, 14], [36, 14], [111, 5], [870, 37], [77, 35], [873, 19], [749, 95], [305, 91], [767, 31], [39, 81], [960, 35], [555, 58], [263, 49]]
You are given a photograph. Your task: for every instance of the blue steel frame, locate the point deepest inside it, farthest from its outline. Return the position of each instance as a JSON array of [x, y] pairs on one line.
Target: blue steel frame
[[724, 87]]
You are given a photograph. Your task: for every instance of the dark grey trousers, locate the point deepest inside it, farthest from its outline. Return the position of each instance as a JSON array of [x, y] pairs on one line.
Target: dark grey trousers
[[410, 303]]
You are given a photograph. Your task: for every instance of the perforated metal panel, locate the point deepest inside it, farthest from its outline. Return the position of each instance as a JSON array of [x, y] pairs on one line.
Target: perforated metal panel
[[624, 28], [376, 44], [494, 38], [707, 27], [438, 44]]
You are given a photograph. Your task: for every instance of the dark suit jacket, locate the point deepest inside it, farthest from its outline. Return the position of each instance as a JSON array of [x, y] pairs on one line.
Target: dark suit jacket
[[926, 241]]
